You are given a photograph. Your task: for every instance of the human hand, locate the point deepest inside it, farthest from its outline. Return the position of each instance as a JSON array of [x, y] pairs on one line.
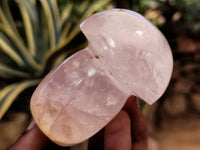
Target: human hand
[[127, 131]]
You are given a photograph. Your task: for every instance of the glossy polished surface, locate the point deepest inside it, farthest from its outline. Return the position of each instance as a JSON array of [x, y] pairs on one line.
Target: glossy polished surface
[[126, 56]]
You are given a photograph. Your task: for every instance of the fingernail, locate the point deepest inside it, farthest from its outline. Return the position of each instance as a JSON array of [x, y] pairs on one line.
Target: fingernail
[[30, 125], [138, 104]]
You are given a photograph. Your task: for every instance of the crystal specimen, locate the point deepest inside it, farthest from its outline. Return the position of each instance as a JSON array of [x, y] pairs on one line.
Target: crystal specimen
[[126, 55]]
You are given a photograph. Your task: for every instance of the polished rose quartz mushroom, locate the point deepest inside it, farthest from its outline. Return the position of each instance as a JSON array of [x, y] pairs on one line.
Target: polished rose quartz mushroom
[[126, 55]]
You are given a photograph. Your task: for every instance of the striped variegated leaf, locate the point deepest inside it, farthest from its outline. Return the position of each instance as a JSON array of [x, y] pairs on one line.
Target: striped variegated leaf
[[10, 92], [72, 22], [30, 19], [43, 35], [9, 73]]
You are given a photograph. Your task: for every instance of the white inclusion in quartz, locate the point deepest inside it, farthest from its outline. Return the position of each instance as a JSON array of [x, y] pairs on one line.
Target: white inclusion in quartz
[[77, 82], [76, 64], [110, 101], [91, 72]]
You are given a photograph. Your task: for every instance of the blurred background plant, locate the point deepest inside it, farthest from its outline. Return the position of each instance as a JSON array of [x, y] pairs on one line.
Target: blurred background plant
[[37, 35], [173, 17]]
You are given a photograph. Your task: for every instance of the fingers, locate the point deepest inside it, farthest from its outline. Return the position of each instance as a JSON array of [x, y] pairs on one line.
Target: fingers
[[117, 133], [33, 139], [139, 130], [128, 130]]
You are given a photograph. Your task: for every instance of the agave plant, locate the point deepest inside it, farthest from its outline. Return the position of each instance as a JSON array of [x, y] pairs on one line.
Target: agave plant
[[35, 36]]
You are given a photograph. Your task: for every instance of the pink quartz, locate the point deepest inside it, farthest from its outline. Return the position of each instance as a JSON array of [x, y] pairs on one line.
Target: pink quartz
[[126, 55]]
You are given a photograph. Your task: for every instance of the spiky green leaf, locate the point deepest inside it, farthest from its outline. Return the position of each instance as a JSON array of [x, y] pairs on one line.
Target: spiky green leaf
[[30, 18], [9, 73], [9, 93], [44, 34]]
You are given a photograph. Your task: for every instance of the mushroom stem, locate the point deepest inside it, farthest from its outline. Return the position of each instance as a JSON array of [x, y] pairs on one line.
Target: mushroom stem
[[77, 99]]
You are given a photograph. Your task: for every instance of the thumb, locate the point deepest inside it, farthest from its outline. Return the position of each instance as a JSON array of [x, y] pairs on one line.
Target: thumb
[[117, 133]]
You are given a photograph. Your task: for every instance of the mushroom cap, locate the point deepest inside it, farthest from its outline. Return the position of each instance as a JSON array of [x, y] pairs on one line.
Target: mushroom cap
[[133, 50]]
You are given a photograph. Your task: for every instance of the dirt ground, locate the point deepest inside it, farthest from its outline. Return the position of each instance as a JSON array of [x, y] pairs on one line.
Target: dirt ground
[[178, 134], [175, 133]]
